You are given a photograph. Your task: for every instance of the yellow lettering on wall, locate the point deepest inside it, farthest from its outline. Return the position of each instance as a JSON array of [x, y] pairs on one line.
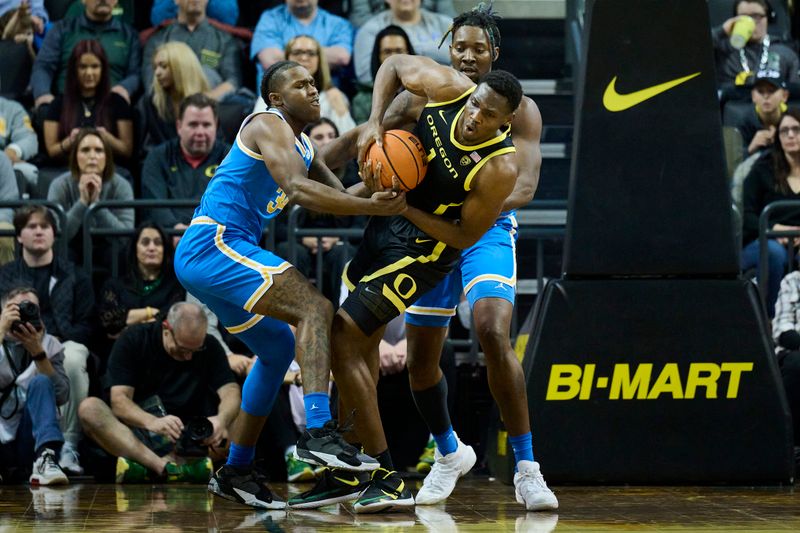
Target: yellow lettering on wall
[[736, 370], [621, 382], [668, 382], [696, 379], [568, 376]]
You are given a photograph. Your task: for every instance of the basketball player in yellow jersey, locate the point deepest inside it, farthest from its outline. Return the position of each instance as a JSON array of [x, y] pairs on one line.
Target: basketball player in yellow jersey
[[471, 170]]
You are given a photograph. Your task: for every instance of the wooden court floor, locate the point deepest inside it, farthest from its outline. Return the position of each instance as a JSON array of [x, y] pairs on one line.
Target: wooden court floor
[[477, 504]]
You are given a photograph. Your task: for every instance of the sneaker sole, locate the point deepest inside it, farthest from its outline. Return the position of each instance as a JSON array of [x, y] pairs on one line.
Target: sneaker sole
[[331, 461], [323, 503], [47, 482], [305, 475], [539, 505], [252, 501], [384, 506]]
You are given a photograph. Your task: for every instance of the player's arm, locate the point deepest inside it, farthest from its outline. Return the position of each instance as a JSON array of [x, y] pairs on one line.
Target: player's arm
[[275, 141], [526, 132], [492, 184], [404, 111], [321, 173], [419, 75]]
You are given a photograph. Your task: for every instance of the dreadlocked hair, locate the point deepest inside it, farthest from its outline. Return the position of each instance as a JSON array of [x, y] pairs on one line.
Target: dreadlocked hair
[[272, 75], [481, 16]]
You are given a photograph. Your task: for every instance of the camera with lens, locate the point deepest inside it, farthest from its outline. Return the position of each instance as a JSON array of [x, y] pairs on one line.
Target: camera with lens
[[28, 312], [195, 431]]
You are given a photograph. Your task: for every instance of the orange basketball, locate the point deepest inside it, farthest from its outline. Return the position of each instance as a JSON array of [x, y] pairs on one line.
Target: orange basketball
[[402, 156]]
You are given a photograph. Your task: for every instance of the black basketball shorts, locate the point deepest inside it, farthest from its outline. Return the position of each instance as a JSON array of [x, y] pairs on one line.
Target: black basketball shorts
[[395, 265]]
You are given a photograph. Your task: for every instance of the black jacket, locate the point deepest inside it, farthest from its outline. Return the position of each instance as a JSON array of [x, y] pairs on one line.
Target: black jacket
[[69, 315]]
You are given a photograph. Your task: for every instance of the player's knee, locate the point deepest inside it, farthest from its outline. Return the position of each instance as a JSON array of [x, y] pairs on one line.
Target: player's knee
[[493, 335], [420, 366]]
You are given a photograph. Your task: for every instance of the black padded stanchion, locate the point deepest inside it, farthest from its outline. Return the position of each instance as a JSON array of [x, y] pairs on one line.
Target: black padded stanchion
[[650, 361]]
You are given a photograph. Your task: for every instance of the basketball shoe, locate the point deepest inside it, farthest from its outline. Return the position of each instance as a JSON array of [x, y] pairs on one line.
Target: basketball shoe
[[385, 492], [298, 470], [334, 486], [46, 470], [446, 470], [325, 447], [531, 489], [244, 485], [427, 458]]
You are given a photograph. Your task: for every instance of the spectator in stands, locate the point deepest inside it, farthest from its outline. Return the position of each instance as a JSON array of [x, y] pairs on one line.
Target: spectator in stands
[[119, 40], [17, 25], [333, 103], [769, 96], [91, 178], [66, 303], [177, 75], [215, 49], [225, 11], [389, 41], [362, 10], [786, 333], [33, 384], [181, 168], [88, 102], [324, 131], [773, 177], [424, 29], [8, 191], [17, 138], [162, 374], [148, 288], [737, 67], [335, 251], [279, 25], [39, 16]]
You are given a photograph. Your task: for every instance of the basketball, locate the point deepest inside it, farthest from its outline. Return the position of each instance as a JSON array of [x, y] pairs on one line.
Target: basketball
[[402, 156]]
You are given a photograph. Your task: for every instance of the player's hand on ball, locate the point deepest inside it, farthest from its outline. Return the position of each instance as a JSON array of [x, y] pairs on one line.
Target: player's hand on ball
[[388, 203], [372, 133], [371, 175]]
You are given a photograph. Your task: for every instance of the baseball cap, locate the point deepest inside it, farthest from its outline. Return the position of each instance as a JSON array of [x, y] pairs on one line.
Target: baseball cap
[[772, 77]]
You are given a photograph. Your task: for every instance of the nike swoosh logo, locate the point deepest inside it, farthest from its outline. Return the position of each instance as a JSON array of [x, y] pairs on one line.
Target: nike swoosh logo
[[351, 482], [441, 114], [613, 101], [420, 241]]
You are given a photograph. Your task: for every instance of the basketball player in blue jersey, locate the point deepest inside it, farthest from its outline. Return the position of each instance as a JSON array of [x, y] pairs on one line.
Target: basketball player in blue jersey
[[256, 294], [471, 170], [487, 274]]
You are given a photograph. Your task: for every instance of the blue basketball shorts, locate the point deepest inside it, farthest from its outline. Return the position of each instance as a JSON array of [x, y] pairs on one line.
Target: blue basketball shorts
[[229, 273], [487, 269]]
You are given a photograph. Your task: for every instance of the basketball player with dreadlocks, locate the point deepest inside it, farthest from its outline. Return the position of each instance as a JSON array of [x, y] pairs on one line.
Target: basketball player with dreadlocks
[[257, 294], [487, 274]]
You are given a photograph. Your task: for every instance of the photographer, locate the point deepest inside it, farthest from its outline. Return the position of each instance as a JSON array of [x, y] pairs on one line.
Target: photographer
[[32, 384], [67, 307], [167, 380]]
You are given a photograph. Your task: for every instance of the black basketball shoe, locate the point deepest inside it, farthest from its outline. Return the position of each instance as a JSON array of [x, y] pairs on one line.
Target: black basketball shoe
[[334, 486], [325, 447], [244, 485], [385, 492]]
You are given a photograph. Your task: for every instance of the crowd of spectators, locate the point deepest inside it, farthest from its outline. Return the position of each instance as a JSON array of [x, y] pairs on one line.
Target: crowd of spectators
[[115, 109]]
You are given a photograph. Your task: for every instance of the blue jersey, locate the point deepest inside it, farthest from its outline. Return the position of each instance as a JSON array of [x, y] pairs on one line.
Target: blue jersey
[[243, 195]]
